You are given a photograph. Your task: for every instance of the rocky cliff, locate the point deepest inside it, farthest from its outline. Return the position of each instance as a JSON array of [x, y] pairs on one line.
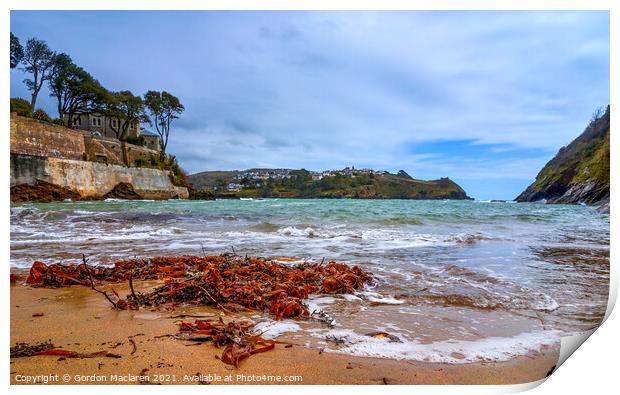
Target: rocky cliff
[[579, 173]]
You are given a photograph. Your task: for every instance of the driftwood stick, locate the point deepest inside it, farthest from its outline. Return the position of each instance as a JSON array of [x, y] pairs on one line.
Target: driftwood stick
[[134, 347], [211, 297], [92, 283], [133, 293]]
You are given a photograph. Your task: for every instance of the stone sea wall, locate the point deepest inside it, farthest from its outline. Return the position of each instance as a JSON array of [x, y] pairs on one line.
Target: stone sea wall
[[31, 137], [90, 166], [92, 179]]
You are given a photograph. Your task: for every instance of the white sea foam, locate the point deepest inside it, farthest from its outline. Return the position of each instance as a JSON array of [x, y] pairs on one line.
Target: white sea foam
[[85, 212], [273, 329], [449, 351], [292, 231], [350, 298], [316, 303], [397, 238], [546, 304], [385, 300], [378, 298]]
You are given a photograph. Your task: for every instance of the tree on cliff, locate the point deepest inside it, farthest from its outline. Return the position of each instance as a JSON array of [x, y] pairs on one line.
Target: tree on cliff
[[75, 90], [17, 51], [125, 108], [62, 71], [38, 60], [164, 107]]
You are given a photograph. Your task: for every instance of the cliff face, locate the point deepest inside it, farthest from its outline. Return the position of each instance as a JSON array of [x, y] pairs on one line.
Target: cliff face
[[579, 173]]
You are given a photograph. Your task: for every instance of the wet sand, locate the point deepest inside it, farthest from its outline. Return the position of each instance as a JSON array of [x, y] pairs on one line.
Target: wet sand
[[78, 319]]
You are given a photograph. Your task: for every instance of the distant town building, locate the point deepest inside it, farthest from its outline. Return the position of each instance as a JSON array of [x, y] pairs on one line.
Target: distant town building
[[234, 187]]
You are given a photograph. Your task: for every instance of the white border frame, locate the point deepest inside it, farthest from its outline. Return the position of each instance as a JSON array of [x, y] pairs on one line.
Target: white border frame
[[592, 369]]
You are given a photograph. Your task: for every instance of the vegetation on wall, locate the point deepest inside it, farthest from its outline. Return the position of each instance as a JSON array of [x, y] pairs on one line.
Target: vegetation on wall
[[59, 121], [41, 115], [139, 140], [21, 107], [162, 161]]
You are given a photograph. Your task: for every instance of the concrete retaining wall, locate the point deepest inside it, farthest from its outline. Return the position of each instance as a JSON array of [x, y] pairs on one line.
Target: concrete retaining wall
[[91, 179], [104, 151]]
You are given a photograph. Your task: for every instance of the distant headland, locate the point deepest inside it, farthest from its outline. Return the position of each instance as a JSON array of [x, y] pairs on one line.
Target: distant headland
[[300, 183]]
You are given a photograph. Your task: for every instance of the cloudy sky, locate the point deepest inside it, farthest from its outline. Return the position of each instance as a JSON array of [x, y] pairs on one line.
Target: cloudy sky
[[486, 98]]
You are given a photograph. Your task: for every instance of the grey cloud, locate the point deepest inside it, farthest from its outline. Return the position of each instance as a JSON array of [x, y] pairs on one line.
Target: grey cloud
[[328, 89]]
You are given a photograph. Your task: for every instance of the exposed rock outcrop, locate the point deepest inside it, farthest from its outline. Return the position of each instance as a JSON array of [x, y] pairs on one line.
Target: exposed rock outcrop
[[579, 173], [404, 174], [42, 192], [123, 190]]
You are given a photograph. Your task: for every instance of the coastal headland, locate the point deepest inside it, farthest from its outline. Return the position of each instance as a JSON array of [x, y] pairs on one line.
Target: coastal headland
[[344, 183], [51, 162], [579, 173]]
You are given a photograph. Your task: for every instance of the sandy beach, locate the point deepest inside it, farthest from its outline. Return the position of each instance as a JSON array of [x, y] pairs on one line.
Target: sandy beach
[[78, 319]]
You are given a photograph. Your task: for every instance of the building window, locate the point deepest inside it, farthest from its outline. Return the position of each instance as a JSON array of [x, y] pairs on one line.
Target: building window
[[95, 121], [114, 123], [77, 121]]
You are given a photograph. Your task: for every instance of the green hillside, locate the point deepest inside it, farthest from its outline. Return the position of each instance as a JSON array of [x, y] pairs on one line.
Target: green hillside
[[579, 173], [301, 185]]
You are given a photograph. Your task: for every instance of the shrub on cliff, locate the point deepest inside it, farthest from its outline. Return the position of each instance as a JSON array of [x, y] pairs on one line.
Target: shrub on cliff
[[41, 115], [202, 194], [162, 161], [139, 140], [20, 106], [177, 175], [59, 121]]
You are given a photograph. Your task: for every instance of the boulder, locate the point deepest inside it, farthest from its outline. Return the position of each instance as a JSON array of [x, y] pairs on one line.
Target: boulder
[[123, 190]]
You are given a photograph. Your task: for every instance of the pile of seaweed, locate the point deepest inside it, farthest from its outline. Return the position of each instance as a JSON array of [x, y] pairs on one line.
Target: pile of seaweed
[[228, 282]]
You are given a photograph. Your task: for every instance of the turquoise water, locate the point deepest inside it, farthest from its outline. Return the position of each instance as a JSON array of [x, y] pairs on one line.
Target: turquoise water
[[475, 273]]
